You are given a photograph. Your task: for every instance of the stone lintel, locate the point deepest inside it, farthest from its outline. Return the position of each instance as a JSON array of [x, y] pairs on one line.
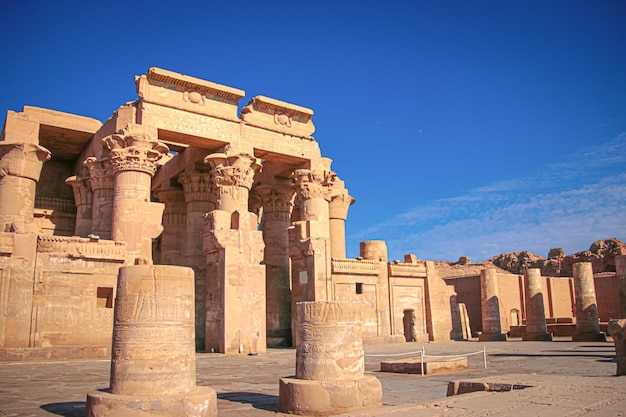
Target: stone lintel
[[355, 267], [408, 270], [19, 128], [74, 247], [62, 120], [172, 89], [279, 116]]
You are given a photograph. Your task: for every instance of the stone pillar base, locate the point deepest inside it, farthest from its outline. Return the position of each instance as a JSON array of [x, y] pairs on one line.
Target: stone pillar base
[[617, 330], [589, 337], [202, 402], [325, 398], [537, 337], [492, 337]]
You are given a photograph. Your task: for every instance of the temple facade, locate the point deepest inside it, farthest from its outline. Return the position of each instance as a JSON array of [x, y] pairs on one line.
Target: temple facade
[[180, 177]]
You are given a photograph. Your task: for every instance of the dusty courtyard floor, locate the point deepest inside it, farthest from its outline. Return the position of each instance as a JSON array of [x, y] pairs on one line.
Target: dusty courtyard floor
[[566, 379]]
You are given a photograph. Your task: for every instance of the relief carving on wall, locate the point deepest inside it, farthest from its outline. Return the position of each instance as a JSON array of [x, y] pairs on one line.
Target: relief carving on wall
[[195, 97]]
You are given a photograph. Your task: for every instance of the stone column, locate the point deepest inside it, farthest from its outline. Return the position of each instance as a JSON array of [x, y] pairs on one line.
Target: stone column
[[235, 319], [374, 250], [173, 237], [309, 238], [198, 202], [101, 180], [277, 201], [620, 274], [617, 327], [536, 327], [338, 213], [490, 307], [83, 198], [153, 363], [311, 235], [20, 168], [587, 320], [330, 376], [617, 330], [134, 153]]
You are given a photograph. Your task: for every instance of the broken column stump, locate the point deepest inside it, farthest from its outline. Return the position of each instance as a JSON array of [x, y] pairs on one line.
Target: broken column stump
[[330, 369], [587, 319], [617, 330], [153, 363]]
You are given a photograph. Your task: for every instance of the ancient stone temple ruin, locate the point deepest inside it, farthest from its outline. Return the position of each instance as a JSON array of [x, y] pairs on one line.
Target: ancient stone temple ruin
[[181, 177]]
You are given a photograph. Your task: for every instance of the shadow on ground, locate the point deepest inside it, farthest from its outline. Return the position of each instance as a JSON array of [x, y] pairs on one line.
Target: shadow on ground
[[67, 409], [256, 400]]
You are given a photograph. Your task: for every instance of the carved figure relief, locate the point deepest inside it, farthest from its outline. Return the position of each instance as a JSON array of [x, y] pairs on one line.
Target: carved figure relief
[[281, 118], [194, 97]]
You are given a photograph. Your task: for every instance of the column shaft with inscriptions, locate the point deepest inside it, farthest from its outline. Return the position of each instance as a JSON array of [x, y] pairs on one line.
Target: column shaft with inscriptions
[[536, 327], [310, 247], [490, 307], [198, 202], [173, 236], [101, 181], [134, 152], [587, 319], [330, 376], [153, 363], [235, 319], [277, 202]]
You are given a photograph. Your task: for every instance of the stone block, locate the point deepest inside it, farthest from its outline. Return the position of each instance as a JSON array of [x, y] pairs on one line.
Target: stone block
[[430, 366]]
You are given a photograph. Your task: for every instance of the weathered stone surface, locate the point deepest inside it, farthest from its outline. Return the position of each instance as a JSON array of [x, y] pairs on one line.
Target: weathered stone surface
[[153, 369], [492, 329], [617, 330], [536, 327], [587, 321], [330, 376]]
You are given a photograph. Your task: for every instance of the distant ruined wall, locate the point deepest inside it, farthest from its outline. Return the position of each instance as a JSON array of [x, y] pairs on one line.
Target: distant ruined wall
[[558, 295]]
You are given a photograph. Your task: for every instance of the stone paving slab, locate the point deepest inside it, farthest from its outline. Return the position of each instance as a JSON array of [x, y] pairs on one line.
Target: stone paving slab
[[568, 379]]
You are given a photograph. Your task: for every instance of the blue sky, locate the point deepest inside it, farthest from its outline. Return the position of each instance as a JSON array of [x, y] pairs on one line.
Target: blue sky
[[460, 127]]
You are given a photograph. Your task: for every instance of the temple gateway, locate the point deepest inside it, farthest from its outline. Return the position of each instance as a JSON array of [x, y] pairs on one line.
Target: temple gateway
[[245, 199]]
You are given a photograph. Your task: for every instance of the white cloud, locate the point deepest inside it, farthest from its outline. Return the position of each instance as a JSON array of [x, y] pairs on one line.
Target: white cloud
[[569, 205]]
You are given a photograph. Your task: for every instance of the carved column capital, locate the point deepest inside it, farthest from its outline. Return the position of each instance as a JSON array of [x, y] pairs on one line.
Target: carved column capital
[[82, 190], [340, 201], [277, 197], [233, 170], [232, 176], [314, 183], [196, 185], [22, 159], [134, 148], [100, 173]]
